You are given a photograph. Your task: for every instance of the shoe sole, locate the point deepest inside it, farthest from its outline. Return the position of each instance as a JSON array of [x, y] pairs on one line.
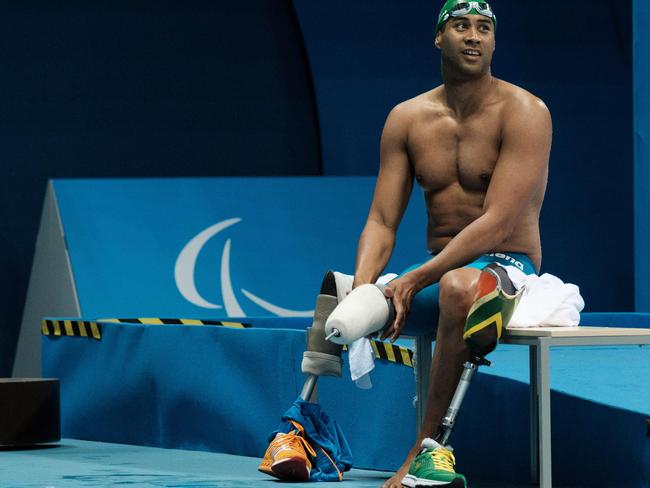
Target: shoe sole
[[415, 482], [291, 469], [266, 470]]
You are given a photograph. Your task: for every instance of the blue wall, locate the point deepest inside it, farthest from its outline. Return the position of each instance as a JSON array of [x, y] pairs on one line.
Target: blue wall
[[642, 153], [130, 242], [368, 55]]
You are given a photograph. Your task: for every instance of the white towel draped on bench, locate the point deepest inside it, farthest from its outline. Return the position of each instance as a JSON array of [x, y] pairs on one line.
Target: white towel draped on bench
[[546, 301]]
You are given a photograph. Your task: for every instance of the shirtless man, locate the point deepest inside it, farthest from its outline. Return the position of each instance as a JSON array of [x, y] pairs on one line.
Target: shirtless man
[[479, 148]]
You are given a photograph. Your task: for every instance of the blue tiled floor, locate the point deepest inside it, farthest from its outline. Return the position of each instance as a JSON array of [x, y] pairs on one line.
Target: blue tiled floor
[[77, 464]]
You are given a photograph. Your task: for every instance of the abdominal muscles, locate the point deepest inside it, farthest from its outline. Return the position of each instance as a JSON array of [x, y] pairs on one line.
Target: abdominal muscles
[[453, 208]]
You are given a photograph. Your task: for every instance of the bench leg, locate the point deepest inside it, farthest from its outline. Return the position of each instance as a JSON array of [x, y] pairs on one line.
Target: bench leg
[[534, 416], [540, 387], [422, 371]]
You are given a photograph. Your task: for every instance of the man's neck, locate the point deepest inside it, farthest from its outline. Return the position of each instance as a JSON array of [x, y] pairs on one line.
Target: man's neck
[[466, 96]]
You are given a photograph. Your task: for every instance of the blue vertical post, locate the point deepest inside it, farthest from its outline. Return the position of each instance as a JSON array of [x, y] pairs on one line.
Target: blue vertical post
[[641, 33]]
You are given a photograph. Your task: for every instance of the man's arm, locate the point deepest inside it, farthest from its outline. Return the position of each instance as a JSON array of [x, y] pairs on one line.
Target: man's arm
[[392, 192]]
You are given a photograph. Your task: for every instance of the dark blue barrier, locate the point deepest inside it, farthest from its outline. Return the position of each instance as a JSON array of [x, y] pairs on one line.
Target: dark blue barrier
[[216, 389]]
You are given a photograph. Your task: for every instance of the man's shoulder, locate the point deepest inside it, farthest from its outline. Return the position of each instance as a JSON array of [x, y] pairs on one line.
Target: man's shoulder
[[424, 103], [517, 100]]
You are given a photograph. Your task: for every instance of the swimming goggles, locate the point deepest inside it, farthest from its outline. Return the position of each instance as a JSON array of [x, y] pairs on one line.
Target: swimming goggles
[[465, 8]]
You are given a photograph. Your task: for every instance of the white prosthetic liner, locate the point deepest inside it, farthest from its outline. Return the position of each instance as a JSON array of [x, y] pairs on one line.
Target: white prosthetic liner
[[364, 311]]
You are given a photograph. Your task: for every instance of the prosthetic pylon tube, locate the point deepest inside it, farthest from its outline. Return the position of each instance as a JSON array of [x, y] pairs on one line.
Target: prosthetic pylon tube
[[495, 302]]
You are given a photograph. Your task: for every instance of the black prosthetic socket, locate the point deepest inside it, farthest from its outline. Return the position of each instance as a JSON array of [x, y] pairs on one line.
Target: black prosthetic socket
[[506, 283]]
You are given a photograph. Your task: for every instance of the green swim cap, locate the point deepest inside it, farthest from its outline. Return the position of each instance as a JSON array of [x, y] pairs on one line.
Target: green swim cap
[[458, 8]]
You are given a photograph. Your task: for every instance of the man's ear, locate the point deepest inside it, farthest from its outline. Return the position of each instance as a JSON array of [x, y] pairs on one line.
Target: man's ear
[[438, 38]]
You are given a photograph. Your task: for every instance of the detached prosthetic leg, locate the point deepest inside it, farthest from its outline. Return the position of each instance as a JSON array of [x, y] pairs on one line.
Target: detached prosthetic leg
[[289, 456]]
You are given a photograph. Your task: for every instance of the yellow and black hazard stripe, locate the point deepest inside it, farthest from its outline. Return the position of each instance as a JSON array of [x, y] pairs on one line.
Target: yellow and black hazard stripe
[[159, 321], [93, 329], [71, 328], [392, 353]]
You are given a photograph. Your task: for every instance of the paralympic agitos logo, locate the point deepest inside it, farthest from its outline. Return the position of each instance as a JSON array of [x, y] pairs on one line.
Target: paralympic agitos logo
[[185, 267]]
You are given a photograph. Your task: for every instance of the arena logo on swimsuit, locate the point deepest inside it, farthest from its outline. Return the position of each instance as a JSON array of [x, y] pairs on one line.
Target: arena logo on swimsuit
[[185, 267], [510, 259]]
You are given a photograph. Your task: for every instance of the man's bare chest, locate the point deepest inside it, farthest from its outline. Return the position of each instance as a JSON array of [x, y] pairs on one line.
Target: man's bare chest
[[443, 151]]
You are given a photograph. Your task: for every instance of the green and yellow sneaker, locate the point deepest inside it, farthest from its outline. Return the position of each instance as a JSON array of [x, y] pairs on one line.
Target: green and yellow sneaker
[[434, 466]]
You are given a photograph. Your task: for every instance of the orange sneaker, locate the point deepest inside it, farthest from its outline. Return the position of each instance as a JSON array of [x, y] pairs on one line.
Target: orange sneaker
[[286, 457]]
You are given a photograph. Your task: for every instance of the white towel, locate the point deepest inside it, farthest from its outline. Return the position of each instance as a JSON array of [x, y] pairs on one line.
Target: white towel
[[546, 301], [360, 355]]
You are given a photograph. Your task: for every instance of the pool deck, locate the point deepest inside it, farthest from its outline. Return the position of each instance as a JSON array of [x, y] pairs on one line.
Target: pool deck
[[77, 463]]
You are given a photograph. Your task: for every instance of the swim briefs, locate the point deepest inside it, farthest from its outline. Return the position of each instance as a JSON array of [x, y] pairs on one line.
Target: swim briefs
[[424, 309]]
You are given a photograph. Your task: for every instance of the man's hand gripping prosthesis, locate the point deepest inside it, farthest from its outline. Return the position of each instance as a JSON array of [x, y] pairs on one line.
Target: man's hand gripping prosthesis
[[366, 310]]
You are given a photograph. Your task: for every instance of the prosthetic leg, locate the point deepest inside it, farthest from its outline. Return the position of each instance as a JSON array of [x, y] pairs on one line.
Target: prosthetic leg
[[495, 302], [290, 455]]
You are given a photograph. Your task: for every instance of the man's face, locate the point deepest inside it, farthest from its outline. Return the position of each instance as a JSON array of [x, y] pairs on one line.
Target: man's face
[[467, 44]]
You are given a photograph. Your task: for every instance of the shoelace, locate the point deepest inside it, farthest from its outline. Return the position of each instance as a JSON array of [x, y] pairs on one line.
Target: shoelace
[[295, 439], [338, 471], [443, 459]]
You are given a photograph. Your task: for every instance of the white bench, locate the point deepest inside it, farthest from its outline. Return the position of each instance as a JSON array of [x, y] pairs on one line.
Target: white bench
[[539, 341]]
